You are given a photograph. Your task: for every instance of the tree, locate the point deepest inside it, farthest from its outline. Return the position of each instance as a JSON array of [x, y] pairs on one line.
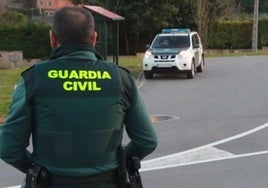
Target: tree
[[13, 19], [144, 20], [206, 11], [248, 5], [29, 3], [200, 9]]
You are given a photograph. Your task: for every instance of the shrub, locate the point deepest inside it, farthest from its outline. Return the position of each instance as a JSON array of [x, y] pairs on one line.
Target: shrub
[[236, 34], [32, 39]]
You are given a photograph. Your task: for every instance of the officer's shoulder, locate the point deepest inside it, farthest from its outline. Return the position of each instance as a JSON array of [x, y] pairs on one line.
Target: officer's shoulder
[[31, 68], [28, 70], [124, 69]]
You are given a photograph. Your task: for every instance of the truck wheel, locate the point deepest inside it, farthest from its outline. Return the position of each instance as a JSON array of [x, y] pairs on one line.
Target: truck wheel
[[148, 74], [200, 68], [190, 73]]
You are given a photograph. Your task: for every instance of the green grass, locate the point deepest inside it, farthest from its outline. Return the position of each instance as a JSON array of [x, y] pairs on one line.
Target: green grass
[[8, 80], [132, 63]]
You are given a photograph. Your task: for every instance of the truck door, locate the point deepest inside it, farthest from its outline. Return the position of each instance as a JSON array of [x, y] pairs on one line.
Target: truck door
[[196, 49]]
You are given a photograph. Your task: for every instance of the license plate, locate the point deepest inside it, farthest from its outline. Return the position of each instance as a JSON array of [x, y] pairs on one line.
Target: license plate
[[163, 65]]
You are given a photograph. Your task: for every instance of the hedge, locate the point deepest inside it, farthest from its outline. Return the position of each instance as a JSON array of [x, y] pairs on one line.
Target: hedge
[[32, 39], [263, 32], [236, 34]]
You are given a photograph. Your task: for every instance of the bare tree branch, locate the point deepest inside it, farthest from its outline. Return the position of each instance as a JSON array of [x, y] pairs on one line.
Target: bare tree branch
[[200, 9]]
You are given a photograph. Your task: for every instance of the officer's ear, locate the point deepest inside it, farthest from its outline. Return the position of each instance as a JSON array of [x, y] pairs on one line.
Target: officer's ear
[[53, 40], [93, 38]]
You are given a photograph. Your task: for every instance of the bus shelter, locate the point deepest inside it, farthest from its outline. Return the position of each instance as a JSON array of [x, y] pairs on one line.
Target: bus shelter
[[107, 27]]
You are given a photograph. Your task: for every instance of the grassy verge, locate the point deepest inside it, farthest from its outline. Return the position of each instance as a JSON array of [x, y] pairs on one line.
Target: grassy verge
[[132, 63], [236, 54], [8, 80]]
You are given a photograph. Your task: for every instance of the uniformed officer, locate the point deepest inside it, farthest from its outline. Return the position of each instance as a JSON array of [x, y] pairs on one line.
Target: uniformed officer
[[75, 106]]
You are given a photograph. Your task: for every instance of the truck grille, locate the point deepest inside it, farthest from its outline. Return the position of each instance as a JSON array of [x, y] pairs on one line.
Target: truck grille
[[164, 58]]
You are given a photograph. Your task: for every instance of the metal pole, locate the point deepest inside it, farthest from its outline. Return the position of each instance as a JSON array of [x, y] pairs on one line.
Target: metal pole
[[255, 26], [117, 42]]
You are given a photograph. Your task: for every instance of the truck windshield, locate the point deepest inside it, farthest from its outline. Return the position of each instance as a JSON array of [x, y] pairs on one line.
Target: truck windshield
[[181, 41]]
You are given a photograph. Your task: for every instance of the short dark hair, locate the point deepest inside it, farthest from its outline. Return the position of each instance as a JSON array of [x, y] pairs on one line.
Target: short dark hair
[[73, 25]]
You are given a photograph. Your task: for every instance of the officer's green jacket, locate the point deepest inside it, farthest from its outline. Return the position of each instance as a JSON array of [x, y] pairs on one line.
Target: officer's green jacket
[[75, 108]]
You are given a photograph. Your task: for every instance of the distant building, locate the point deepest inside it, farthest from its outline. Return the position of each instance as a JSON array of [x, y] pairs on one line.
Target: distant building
[[50, 6]]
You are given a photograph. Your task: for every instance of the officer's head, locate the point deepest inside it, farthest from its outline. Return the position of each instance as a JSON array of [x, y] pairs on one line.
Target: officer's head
[[72, 25]]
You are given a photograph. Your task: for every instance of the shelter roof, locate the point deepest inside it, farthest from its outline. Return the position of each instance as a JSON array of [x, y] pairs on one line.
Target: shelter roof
[[104, 12]]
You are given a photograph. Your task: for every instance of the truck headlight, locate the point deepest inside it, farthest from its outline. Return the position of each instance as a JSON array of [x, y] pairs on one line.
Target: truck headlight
[[183, 54], [147, 54]]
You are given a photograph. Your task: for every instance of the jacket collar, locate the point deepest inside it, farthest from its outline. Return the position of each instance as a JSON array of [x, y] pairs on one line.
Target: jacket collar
[[65, 50]]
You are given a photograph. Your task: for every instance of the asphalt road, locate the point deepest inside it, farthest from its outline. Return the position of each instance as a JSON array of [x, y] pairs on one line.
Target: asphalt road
[[220, 139], [217, 134]]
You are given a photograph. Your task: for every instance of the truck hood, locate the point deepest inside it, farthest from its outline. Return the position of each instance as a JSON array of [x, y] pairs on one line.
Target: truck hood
[[166, 51]]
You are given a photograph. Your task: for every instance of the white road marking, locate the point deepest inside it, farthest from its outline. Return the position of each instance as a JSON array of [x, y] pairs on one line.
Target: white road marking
[[185, 158], [207, 151], [203, 154], [161, 118], [140, 81], [204, 161]]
